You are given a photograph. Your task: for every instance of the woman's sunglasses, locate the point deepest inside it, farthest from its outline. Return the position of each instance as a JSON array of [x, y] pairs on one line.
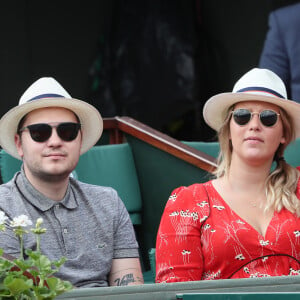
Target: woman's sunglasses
[[242, 116], [41, 132]]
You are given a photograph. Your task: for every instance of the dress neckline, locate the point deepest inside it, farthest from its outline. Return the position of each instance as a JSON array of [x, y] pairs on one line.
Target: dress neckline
[[238, 216]]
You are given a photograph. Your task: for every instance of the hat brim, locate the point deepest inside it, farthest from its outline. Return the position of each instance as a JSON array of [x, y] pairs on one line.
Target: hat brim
[[216, 108], [90, 119]]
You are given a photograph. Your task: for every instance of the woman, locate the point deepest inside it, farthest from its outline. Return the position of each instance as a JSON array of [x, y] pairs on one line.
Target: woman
[[245, 223]]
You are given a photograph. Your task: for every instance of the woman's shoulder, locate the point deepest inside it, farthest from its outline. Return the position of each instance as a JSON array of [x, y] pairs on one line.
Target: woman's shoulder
[[193, 188], [190, 195], [189, 201]]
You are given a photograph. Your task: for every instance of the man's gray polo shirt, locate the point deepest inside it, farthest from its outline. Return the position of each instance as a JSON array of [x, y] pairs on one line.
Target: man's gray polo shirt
[[90, 227]]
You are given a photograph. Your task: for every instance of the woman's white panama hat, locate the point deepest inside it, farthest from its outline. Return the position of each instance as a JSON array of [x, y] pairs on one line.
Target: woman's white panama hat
[[47, 92], [256, 85]]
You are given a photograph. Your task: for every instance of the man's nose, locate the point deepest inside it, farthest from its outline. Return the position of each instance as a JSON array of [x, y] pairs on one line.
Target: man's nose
[[54, 139]]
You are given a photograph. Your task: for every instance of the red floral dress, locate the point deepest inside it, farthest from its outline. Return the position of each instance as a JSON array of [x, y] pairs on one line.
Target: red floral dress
[[201, 238]]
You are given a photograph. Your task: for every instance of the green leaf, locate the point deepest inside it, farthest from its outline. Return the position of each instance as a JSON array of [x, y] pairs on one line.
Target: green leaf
[[17, 285], [33, 254], [4, 291], [44, 293], [44, 262], [5, 265], [59, 263], [23, 264], [58, 285]]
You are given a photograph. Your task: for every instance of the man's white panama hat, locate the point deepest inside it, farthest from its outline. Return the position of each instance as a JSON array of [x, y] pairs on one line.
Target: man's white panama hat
[[47, 92], [256, 85]]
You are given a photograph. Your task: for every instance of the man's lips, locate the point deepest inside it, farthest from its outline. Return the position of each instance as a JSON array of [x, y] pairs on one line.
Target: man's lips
[[55, 154]]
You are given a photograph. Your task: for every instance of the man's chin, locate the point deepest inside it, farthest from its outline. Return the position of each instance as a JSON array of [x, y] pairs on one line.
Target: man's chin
[[54, 176]]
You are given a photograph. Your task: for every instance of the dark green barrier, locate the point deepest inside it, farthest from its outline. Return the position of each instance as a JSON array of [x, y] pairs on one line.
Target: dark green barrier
[[240, 296], [171, 291]]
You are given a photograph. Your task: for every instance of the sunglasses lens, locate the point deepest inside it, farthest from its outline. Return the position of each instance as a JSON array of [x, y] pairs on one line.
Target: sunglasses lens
[[268, 118], [40, 132], [68, 131], [242, 116]]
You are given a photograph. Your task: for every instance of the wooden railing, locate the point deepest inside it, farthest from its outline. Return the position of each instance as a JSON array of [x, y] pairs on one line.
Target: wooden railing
[[117, 126]]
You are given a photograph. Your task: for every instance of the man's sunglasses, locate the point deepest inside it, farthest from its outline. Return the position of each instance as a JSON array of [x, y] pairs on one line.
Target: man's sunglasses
[[242, 116], [41, 132]]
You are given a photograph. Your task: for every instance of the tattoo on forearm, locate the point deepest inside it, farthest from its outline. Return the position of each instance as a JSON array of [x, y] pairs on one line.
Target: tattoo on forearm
[[125, 280]]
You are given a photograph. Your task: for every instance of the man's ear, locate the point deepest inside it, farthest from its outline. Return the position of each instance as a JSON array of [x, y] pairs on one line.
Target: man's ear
[[18, 143]]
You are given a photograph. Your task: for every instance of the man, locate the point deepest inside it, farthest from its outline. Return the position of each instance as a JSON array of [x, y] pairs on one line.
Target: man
[[87, 224], [281, 51]]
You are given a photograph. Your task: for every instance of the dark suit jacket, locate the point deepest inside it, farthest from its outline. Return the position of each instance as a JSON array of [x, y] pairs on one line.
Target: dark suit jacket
[[281, 52]]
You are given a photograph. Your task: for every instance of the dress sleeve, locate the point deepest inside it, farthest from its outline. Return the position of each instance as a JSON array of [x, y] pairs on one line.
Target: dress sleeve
[[178, 244]]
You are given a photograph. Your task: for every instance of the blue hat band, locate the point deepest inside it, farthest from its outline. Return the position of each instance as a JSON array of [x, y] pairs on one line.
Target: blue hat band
[[46, 96], [260, 89]]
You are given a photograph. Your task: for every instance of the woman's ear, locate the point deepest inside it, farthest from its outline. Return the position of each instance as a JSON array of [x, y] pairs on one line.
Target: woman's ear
[[283, 140]]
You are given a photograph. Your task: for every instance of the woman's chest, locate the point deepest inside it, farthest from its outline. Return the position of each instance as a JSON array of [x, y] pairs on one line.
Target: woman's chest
[[226, 233]]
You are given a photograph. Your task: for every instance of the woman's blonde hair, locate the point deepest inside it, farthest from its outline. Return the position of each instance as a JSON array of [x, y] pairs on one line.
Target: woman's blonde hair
[[282, 182]]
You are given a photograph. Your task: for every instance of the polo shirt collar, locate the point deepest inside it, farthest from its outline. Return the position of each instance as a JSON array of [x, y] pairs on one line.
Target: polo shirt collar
[[32, 195]]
